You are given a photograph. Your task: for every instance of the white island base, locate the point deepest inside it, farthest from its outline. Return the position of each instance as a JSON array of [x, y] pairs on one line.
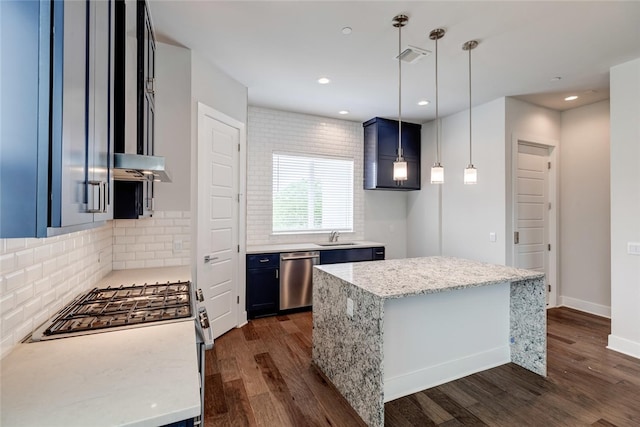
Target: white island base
[[433, 339], [421, 322]]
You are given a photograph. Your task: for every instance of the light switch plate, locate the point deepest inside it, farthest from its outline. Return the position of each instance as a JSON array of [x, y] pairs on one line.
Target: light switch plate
[[633, 248], [492, 237]]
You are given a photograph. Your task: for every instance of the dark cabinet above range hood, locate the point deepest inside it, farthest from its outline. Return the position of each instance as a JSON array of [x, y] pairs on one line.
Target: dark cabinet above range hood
[[136, 168]]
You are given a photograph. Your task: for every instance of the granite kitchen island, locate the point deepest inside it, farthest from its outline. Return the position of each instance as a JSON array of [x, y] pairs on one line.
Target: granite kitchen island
[[387, 329]]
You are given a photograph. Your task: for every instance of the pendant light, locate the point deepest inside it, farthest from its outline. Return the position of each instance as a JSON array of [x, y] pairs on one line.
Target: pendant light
[[400, 165], [437, 171], [470, 173]]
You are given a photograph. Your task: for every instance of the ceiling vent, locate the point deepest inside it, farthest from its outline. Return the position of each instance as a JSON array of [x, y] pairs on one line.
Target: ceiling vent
[[412, 54]]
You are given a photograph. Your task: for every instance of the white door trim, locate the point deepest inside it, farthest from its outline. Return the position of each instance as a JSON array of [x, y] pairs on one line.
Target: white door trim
[[554, 212], [205, 110]]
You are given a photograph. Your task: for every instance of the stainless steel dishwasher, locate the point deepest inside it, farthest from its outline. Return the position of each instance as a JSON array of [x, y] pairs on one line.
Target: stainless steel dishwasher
[[296, 278]]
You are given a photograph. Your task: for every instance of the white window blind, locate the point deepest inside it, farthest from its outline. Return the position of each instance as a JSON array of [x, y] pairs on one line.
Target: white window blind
[[312, 193]]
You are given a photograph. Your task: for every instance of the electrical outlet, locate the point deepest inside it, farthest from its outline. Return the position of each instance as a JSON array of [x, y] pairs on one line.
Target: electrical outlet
[[349, 307], [492, 237], [177, 246]]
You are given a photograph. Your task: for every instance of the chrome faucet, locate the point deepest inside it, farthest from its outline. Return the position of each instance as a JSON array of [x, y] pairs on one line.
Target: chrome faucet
[[333, 237]]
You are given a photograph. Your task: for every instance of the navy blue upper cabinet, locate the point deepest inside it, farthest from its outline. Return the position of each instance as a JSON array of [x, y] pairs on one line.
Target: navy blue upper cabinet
[[24, 125], [65, 156], [381, 150]]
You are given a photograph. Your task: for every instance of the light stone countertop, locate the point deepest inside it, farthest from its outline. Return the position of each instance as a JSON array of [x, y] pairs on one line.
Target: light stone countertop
[[145, 376], [299, 247], [397, 278], [140, 276]]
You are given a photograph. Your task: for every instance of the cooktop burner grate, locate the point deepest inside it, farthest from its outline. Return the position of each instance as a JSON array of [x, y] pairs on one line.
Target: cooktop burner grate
[[109, 307]]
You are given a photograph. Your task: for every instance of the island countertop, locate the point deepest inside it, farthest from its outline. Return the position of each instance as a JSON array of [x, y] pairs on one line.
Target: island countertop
[[398, 278]]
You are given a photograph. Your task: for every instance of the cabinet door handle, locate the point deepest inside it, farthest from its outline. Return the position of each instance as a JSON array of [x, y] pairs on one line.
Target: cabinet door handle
[[105, 195], [150, 83], [101, 187], [277, 274]]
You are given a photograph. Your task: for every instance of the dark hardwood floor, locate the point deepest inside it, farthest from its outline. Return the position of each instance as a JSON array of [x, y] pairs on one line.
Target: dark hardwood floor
[[261, 375]]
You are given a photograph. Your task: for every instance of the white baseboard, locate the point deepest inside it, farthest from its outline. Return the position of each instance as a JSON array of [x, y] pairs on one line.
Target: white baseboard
[[625, 346], [586, 306], [406, 384]]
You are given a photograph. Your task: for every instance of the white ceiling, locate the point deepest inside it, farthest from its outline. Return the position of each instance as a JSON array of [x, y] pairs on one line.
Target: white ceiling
[[278, 49]]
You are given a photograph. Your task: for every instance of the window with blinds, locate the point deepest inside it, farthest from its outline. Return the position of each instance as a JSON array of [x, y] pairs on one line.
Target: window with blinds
[[312, 194]]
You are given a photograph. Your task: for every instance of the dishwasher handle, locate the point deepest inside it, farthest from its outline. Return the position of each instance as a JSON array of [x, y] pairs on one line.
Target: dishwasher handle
[[295, 257]]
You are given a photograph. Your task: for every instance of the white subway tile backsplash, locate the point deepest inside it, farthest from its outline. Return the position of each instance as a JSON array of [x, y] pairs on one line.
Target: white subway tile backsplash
[[134, 264], [14, 280], [24, 258], [39, 276], [278, 131], [148, 242], [24, 294]]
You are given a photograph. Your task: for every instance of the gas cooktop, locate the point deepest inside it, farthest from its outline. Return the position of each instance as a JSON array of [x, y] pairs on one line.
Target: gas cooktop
[[119, 307]]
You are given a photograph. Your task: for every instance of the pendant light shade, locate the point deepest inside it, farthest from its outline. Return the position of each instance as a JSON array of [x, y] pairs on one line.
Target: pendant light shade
[[437, 174], [470, 173], [437, 171], [400, 172]]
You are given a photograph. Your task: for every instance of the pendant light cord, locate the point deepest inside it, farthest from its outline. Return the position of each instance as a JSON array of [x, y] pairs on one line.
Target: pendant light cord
[[437, 115], [470, 161], [400, 90]]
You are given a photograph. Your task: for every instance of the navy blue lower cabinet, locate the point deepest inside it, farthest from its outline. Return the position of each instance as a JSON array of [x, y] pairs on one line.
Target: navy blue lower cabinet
[[263, 285], [337, 256]]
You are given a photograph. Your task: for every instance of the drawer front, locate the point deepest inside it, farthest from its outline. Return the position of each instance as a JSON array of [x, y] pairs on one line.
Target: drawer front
[[263, 261], [337, 256], [378, 253]]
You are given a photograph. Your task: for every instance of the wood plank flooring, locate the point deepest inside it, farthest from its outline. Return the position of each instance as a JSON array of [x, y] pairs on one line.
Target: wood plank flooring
[[261, 375]]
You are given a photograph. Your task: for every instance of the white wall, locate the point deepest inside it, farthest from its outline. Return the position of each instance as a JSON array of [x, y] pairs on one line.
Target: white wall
[[471, 212], [625, 207], [213, 87], [468, 212], [585, 238], [39, 276], [378, 215], [173, 125], [423, 207], [385, 220]]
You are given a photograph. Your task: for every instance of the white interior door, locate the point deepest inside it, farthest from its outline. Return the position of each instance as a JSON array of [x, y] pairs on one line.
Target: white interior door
[[218, 233], [532, 209]]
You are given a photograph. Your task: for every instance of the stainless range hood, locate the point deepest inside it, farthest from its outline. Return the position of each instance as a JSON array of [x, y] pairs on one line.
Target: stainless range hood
[[137, 167]]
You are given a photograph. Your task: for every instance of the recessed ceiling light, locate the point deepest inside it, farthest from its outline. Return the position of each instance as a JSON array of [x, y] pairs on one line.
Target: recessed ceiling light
[[346, 30], [571, 98], [343, 112], [423, 102], [323, 80]]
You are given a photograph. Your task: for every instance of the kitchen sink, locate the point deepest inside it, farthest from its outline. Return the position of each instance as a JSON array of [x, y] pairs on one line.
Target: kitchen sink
[[335, 243]]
